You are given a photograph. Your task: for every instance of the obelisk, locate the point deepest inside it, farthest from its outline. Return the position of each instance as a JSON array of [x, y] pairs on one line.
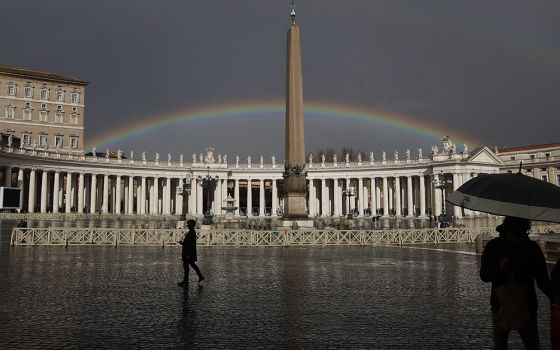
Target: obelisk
[[295, 184]]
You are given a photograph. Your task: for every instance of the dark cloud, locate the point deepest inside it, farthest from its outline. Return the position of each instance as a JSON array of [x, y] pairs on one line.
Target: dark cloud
[[489, 69]]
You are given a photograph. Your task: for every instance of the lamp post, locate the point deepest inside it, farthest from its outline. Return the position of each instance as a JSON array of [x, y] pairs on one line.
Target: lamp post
[[208, 183], [442, 184], [349, 193], [184, 191]]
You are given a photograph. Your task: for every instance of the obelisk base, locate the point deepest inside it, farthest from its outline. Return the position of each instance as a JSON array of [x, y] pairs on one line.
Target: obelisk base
[[295, 206]]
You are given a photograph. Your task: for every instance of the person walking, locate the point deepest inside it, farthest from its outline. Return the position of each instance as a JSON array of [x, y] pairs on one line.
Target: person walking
[[189, 254], [512, 262]]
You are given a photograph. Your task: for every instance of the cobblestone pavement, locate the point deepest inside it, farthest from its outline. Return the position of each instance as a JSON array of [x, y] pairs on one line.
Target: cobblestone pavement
[[332, 297]]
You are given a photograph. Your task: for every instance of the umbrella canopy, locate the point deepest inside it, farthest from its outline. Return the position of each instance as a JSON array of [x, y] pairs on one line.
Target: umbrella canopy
[[510, 195]]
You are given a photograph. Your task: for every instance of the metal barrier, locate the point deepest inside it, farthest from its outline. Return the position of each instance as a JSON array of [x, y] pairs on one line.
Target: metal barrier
[[238, 238]]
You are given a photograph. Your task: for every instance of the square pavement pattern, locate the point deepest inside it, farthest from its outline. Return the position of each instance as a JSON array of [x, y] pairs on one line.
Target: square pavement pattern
[[332, 297]]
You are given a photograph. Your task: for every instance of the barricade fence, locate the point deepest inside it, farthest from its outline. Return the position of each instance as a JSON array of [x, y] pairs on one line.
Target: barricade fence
[[53, 236]]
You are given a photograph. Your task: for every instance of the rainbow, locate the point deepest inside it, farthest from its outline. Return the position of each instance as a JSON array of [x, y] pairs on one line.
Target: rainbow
[[277, 109]]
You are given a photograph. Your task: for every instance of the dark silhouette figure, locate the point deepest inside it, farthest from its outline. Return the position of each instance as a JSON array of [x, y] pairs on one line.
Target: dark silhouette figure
[[512, 262], [189, 254], [555, 307]]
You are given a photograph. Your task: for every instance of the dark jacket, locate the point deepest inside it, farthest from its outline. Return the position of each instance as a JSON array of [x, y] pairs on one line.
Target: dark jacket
[[555, 278], [189, 246], [527, 263]]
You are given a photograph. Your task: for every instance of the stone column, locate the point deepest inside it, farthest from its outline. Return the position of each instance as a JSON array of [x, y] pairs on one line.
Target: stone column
[[192, 197], [93, 194], [105, 205], [337, 197], [81, 193], [373, 202], [20, 181], [56, 188], [410, 199], [44, 180], [312, 198], [236, 195], [456, 208], [8, 177], [168, 205], [142, 198], [156, 197], [178, 198], [261, 198], [437, 198], [249, 198], [360, 195], [422, 196], [199, 199], [398, 204], [324, 198], [274, 207], [130, 195], [32, 190], [348, 199], [385, 197], [118, 199], [68, 194]]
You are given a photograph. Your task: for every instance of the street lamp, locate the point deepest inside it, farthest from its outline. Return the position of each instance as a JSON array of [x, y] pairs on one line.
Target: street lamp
[[208, 183], [184, 191], [348, 193], [441, 183]]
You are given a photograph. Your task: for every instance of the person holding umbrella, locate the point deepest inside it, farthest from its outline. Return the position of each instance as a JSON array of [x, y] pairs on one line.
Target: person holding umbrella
[[513, 262], [189, 254]]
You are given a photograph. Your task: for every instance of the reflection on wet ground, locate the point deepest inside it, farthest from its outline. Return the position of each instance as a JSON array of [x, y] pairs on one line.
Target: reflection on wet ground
[[309, 297]]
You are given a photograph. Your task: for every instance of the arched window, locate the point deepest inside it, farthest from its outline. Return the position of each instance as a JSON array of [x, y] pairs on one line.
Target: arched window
[[44, 93], [12, 90]]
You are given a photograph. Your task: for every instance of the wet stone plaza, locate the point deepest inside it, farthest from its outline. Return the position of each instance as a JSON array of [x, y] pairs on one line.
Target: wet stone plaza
[[423, 297]]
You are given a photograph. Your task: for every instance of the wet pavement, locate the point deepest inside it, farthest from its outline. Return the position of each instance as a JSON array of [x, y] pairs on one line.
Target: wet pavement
[[319, 297]]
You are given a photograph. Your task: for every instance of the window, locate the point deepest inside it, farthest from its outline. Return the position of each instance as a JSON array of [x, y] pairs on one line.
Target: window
[[59, 118], [547, 155], [11, 89], [43, 106], [59, 108], [512, 158], [58, 141], [27, 114], [60, 95], [44, 116], [27, 104], [28, 92], [43, 140], [532, 156], [26, 139], [10, 112], [75, 97], [73, 142], [44, 93], [74, 118], [74, 109]]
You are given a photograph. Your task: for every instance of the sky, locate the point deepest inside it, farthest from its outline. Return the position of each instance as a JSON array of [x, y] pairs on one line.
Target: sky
[[378, 75]]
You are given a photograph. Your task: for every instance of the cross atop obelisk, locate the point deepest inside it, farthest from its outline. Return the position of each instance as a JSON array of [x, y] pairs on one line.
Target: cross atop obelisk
[[294, 175]]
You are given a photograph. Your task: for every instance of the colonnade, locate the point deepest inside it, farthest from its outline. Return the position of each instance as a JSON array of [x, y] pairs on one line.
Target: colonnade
[[48, 190], [401, 196]]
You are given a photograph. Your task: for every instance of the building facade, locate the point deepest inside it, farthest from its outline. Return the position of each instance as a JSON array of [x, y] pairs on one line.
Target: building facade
[[41, 110]]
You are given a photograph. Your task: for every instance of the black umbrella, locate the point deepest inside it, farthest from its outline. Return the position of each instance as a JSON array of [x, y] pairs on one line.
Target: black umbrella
[[510, 195]]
